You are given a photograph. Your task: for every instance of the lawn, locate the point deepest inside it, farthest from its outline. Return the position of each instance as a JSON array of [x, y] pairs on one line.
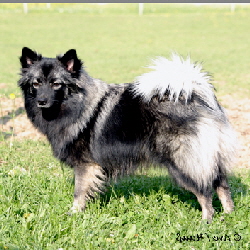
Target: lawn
[[116, 47], [145, 211]]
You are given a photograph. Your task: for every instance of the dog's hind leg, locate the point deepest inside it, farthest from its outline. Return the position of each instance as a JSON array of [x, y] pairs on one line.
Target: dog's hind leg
[[204, 196], [223, 191], [205, 201], [89, 179]]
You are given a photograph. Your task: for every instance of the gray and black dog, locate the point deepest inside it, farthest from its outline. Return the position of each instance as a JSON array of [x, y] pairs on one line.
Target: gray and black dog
[[168, 117]]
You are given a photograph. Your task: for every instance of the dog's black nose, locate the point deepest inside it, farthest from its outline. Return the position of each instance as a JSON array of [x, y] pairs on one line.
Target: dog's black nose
[[42, 101]]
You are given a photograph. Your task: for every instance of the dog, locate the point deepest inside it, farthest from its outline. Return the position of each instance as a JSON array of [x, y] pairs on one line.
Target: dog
[[167, 117]]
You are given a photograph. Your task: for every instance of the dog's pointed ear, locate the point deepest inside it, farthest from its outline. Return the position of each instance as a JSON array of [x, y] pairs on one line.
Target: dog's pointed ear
[[28, 57], [71, 62]]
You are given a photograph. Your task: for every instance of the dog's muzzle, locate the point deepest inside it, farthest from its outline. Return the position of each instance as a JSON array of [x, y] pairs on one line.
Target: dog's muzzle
[[43, 103]]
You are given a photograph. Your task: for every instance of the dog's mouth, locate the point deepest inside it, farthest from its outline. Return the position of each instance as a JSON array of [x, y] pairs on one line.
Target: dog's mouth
[[50, 110]]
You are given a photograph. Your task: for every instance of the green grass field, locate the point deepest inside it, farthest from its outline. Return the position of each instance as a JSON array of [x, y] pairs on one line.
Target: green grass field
[[116, 47], [145, 211]]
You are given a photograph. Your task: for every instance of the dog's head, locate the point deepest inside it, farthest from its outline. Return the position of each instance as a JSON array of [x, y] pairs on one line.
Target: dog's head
[[49, 80]]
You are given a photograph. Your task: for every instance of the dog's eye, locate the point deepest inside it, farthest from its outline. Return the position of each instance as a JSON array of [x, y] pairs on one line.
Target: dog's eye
[[56, 85], [36, 85]]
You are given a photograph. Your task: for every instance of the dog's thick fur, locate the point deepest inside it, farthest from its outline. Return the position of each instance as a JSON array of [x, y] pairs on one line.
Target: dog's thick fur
[[169, 117]]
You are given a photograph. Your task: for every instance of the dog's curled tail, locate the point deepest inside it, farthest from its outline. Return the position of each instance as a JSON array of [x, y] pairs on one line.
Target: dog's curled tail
[[173, 78]]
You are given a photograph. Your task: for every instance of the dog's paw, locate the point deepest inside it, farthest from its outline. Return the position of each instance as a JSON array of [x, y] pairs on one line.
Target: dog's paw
[[76, 208]]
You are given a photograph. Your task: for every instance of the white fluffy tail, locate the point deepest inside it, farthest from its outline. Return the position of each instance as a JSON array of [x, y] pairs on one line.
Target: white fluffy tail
[[175, 77]]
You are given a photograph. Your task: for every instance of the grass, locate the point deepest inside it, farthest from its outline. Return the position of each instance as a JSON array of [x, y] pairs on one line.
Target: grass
[[144, 211], [115, 46]]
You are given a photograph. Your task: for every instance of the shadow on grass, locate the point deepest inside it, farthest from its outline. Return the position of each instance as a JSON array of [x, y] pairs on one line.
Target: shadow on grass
[[144, 185], [5, 119], [11, 115]]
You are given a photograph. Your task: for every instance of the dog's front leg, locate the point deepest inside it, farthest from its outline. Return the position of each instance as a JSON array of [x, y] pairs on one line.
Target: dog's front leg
[[89, 179], [81, 189]]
